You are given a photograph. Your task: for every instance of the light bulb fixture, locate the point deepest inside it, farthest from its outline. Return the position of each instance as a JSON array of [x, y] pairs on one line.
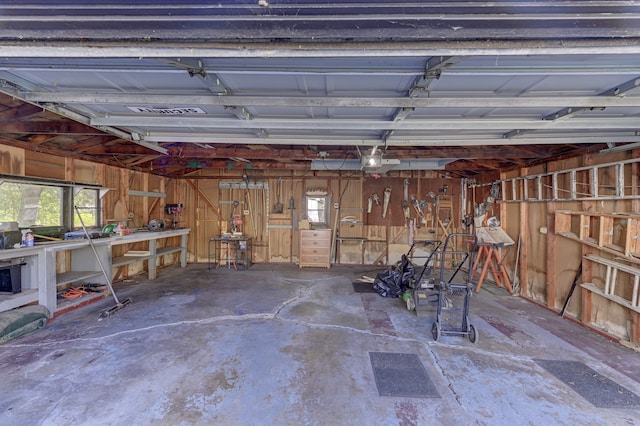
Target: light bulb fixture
[[373, 160]]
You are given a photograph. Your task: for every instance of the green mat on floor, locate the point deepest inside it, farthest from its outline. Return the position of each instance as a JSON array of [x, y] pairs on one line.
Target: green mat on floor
[[20, 321]]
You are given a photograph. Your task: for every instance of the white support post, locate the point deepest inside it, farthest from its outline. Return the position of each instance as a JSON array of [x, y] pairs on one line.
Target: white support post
[[619, 180], [594, 182]]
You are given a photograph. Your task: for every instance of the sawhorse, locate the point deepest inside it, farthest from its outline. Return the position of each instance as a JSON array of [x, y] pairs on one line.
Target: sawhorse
[[494, 261]]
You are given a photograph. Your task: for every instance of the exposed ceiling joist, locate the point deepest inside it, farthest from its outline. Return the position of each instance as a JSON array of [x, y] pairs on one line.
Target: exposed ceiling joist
[[440, 124], [169, 98], [441, 141]]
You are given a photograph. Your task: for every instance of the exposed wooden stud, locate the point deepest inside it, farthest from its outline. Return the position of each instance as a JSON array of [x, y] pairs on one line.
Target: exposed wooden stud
[[551, 272]]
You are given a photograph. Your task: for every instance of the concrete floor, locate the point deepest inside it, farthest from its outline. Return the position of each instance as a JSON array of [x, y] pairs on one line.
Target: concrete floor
[[276, 345]]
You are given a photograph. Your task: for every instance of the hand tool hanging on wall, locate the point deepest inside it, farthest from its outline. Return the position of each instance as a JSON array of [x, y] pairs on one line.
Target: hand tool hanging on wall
[[278, 207], [245, 178], [119, 305], [334, 233], [385, 203], [233, 222], [432, 212], [373, 198], [405, 203], [418, 208]]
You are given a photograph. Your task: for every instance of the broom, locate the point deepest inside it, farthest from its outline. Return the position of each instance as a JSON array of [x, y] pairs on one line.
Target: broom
[[119, 305]]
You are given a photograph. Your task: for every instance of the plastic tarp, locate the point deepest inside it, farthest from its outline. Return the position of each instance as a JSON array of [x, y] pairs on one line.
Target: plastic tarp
[[396, 280]]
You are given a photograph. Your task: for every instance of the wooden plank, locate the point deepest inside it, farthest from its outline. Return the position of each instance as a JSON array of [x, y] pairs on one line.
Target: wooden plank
[[395, 234], [632, 242], [86, 172], [605, 231], [587, 267], [350, 252], [592, 288], [279, 242], [524, 249], [395, 252], [375, 253], [45, 166], [203, 197], [587, 306], [584, 232], [351, 209], [632, 238], [375, 232], [552, 273], [610, 250], [563, 223], [12, 160], [617, 265], [635, 328]]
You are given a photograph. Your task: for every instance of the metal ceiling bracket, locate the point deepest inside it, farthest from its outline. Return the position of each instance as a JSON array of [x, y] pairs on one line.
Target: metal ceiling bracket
[[571, 111], [195, 68], [432, 71]]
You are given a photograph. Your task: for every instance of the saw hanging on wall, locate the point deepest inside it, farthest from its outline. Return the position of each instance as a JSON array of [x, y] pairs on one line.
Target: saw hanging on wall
[[405, 203], [278, 207], [385, 203], [418, 208], [373, 198]]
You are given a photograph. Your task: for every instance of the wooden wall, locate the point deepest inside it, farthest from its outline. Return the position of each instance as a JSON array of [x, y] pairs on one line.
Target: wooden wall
[[547, 262], [118, 205], [375, 240]]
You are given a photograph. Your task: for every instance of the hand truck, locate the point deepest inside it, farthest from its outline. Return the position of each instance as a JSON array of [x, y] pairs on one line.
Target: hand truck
[[452, 318]]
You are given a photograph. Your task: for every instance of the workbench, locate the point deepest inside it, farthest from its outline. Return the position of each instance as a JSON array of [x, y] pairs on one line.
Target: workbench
[[52, 266]]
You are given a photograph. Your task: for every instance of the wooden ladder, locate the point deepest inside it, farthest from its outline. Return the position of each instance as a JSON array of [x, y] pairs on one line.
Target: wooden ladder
[[611, 281], [444, 216]]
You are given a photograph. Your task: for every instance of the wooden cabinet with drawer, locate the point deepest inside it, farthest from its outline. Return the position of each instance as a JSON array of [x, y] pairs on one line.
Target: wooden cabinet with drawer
[[315, 247]]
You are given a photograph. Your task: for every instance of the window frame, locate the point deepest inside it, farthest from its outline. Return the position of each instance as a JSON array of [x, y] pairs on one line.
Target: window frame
[[69, 191], [327, 208]]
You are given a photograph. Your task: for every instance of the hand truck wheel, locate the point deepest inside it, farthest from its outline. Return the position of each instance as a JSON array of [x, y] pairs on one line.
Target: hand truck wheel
[[435, 331], [473, 334]]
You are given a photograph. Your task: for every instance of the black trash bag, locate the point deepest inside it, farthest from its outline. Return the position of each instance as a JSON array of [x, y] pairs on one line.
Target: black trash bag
[[394, 281]]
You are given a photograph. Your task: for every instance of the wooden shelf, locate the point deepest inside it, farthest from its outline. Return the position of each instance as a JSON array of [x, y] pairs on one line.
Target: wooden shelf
[[127, 260], [153, 252], [12, 301], [75, 276], [168, 250], [614, 233]]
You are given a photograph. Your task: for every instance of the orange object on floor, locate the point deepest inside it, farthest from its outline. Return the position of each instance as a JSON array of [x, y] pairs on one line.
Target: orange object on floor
[[493, 261], [73, 293]]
